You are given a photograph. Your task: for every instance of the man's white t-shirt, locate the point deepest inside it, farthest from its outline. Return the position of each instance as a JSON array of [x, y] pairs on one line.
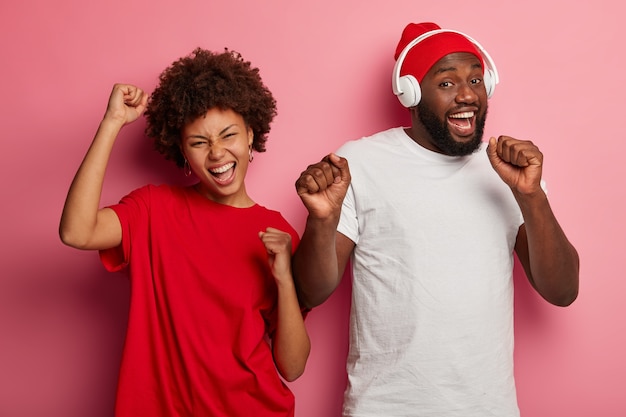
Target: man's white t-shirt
[[432, 299]]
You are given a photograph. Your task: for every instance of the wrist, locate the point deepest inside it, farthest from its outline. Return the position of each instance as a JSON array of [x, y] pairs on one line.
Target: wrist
[[529, 200], [111, 124], [330, 220], [284, 282]]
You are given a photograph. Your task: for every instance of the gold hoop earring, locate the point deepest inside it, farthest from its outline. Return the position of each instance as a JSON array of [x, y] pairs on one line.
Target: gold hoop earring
[[186, 168]]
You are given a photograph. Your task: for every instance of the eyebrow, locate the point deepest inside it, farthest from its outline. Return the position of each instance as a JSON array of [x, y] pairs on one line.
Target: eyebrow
[[204, 137], [452, 68]]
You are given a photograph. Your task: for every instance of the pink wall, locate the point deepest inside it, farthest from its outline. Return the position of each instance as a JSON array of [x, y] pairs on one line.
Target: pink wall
[[62, 318]]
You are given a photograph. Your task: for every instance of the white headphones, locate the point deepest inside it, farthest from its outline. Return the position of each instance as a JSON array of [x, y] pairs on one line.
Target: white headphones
[[407, 88]]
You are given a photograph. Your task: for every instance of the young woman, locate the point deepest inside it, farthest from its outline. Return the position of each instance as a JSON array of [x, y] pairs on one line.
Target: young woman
[[213, 312]]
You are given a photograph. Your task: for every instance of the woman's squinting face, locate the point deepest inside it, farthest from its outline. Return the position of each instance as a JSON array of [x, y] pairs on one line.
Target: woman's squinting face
[[217, 147]]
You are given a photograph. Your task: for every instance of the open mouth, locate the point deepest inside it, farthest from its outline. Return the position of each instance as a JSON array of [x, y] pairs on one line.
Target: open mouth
[[462, 123], [223, 173]]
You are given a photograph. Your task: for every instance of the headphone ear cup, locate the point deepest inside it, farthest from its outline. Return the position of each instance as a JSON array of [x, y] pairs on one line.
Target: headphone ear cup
[[410, 91], [489, 80]]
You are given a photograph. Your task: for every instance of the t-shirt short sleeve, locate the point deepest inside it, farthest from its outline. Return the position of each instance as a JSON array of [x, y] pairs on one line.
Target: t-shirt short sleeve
[[128, 210], [348, 222]]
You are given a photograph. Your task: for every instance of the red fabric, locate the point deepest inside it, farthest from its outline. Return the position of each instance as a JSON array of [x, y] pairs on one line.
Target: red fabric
[[202, 303], [427, 52]]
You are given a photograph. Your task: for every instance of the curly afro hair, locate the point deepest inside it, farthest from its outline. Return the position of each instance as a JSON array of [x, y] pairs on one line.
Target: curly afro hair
[[203, 80]]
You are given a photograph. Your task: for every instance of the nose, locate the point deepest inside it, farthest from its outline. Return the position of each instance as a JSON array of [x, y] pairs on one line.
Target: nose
[[466, 93], [216, 152]]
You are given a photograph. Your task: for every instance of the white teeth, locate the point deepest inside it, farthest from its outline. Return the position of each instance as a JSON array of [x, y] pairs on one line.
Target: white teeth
[[464, 115], [223, 168]]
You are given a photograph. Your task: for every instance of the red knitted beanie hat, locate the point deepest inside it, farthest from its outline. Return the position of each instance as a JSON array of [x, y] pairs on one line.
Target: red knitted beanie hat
[[430, 50]]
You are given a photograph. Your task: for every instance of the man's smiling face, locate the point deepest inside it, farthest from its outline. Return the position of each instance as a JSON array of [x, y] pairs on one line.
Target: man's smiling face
[[453, 108]]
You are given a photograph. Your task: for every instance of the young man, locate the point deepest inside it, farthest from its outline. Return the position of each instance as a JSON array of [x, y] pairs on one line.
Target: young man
[[430, 217]]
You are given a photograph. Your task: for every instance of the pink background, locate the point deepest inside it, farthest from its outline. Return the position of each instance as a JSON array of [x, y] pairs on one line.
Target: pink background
[[62, 317]]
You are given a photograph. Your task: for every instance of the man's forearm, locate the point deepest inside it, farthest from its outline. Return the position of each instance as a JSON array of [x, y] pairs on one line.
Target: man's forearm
[[315, 267], [553, 260]]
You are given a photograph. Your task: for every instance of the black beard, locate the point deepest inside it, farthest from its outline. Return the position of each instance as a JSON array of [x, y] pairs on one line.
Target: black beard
[[442, 138]]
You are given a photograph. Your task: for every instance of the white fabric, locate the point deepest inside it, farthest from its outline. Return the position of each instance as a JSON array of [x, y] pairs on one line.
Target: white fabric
[[432, 299]]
